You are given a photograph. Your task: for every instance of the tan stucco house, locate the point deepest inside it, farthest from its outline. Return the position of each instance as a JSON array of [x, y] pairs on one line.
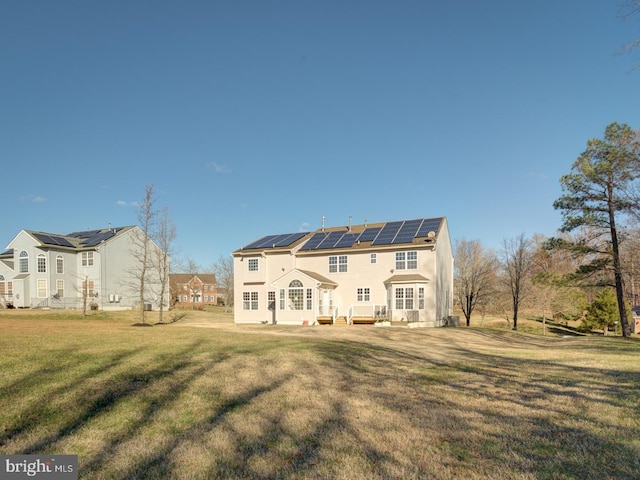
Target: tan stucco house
[[399, 271]]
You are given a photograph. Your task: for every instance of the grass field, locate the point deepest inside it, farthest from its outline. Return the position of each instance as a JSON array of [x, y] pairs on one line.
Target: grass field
[[202, 398]]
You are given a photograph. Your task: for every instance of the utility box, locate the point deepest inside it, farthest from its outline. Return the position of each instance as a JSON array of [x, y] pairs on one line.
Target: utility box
[[453, 321]]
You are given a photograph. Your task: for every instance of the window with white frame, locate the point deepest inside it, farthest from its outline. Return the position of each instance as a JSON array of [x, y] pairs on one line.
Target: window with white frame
[[337, 263], [41, 262], [87, 259], [407, 260], [253, 264], [250, 300], [3, 286], [24, 262], [420, 298], [271, 300], [404, 298], [282, 299], [309, 299], [60, 288], [373, 258], [59, 264], [363, 294], [9, 288], [296, 295], [88, 287], [42, 288]]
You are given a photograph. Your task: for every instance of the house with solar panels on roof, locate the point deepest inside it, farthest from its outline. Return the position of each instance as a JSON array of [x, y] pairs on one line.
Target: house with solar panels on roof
[[95, 267], [399, 271]]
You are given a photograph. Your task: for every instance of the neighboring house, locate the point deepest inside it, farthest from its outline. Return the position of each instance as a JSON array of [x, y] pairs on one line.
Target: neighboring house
[[64, 271], [193, 289], [397, 271]]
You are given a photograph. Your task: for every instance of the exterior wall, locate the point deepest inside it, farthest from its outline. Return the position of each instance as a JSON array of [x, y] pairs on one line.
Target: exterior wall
[[444, 274], [270, 267], [22, 291]]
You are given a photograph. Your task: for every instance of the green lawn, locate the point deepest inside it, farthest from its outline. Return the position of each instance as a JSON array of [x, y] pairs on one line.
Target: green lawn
[[208, 399]]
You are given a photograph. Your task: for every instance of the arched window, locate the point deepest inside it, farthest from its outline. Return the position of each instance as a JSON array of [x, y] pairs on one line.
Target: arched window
[[3, 288], [296, 295], [59, 264], [24, 262], [42, 263]]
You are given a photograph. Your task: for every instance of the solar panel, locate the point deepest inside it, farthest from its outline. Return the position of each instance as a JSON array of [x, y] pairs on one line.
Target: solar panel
[[290, 238], [347, 240], [281, 240], [429, 225], [407, 232], [331, 240], [388, 233], [97, 238], [369, 234], [260, 241], [52, 240], [314, 241]]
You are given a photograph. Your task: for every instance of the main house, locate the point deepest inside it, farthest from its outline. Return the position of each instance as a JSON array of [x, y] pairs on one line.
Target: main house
[[396, 271], [95, 268]]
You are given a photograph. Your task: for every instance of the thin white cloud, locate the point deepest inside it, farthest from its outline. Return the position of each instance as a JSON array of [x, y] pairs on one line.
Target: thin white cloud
[[217, 168], [537, 175], [123, 203], [33, 198]]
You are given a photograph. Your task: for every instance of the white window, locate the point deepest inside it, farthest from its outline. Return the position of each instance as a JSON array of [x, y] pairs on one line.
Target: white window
[[60, 288], [363, 294], [250, 300], [282, 299], [420, 298], [338, 264], [253, 264], [24, 262], [42, 263], [87, 259], [42, 288], [88, 288], [374, 258], [59, 264], [271, 300], [404, 298], [296, 292], [309, 299], [407, 260], [3, 287]]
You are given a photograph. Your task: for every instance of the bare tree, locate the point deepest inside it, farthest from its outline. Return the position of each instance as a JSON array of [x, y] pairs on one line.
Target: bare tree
[[142, 246], [630, 9], [223, 270], [164, 236], [517, 263], [475, 274]]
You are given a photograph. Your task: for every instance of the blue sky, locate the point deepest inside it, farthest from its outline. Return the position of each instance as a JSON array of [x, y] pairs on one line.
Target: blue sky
[[259, 117]]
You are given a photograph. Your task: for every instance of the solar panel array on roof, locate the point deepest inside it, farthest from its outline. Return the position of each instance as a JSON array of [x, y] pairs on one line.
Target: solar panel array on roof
[[53, 240], [369, 234], [282, 240], [98, 237], [388, 233], [314, 241], [406, 231], [429, 225]]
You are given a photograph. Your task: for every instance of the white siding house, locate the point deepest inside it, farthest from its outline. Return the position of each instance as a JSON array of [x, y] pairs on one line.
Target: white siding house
[[397, 271], [47, 270]]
